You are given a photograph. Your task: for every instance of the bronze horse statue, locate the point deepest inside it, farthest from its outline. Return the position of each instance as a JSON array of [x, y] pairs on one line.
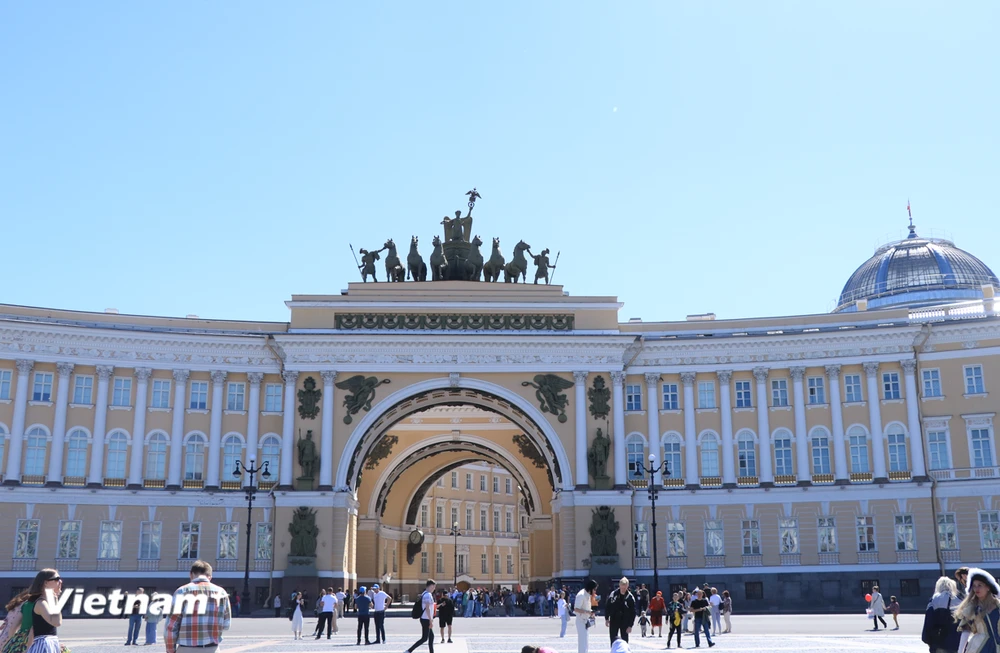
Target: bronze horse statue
[[416, 269], [476, 259], [438, 261], [493, 267], [518, 267], [393, 266]]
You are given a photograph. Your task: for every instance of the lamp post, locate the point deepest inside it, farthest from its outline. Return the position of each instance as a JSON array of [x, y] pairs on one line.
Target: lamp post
[[250, 490], [653, 492], [456, 533]]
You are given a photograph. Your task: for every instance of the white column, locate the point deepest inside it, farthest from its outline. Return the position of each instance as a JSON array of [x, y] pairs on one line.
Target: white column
[[253, 420], [653, 423], [763, 427], [288, 429], [691, 478], [840, 472], [803, 469], [875, 422], [215, 428], [96, 477], [16, 439], [142, 375], [582, 475], [177, 429], [618, 397], [726, 411], [59, 426], [326, 434], [913, 419]]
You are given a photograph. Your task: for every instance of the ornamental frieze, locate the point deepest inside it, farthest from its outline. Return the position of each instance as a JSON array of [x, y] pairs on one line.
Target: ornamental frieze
[[451, 322]]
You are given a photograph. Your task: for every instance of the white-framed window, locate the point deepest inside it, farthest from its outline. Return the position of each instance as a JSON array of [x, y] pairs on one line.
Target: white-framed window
[[743, 399], [751, 537], [42, 390], [110, 544], [788, 534], [671, 400], [117, 454], [439, 562], [34, 453], [468, 481], [161, 394], [989, 529], [496, 485], [820, 451], [423, 516], [232, 450], [640, 540], [438, 516], [454, 480], [496, 563], [709, 454], [932, 382], [236, 396], [121, 394], [510, 564], [896, 440], [633, 397], [747, 453], [156, 456], [26, 540], [982, 447], [827, 534], [199, 395], [423, 563], [783, 453], [484, 566], [937, 449], [482, 482], [974, 384], [779, 392], [947, 531], [76, 453], [454, 515], [857, 439], [482, 520], [508, 486], [469, 521], [272, 398], [509, 522], [439, 482], [150, 535], [635, 450], [906, 540], [706, 394], [69, 539], [194, 457], [83, 390], [265, 540], [852, 388], [5, 379], [672, 456], [496, 521], [715, 540], [190, 540], [890, 385], [270, 453], [676, 539], [865, 527], [229, 540], [817, 390]]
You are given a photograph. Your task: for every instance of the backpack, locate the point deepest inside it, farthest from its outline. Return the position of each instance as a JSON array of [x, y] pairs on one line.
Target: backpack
[[418, 608]]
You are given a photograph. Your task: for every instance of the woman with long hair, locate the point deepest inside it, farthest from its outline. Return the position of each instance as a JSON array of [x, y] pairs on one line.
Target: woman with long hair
[[978, 614], [300, 604], [45, 617], [17, 631]]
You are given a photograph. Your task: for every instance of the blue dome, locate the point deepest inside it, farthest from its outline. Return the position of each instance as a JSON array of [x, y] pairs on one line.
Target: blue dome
[[916, 272]]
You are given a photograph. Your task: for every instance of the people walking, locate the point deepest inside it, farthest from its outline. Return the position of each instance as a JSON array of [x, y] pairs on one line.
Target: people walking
[[341, 599], [45, 616], [978, 615], [961, 581], [298, 617], [134, 619], [894, 611], [327, 613], [562, 607], [715, 601], [727, 610], [380, 601], [643, 623], [702, 615], [152, 618], [362, 605], [583, 608], [686, 604], [877, 606], [426, 618], [675, 610], [194, 633], [277, 605], [939, 631], [656, 609], [446, 614], [619, 612]]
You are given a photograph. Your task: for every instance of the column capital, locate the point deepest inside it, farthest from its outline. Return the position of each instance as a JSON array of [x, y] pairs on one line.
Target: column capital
[[181, 376], [580, 376], [105, 372], [687, 378], [760, 373], [618, 377], [65, 369], [24, 366], [290, 376], [143, 374], [219, 376], [871, 368], [652, 378], [909, 365], [255, 378], [798, 372], [328, 376], [724, 375], [833, 371]]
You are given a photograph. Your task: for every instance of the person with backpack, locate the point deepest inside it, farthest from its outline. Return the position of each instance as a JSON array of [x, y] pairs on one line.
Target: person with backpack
[[423, 609], [940, 632]]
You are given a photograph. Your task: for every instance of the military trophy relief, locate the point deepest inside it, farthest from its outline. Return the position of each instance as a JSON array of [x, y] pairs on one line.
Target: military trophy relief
[[361, 393], [599, 397], [550, 391], [309, 402], [302, 549], [604, 560]]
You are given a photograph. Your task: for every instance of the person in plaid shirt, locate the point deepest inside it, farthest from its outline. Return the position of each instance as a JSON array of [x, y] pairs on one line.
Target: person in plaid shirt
[[199, 632]]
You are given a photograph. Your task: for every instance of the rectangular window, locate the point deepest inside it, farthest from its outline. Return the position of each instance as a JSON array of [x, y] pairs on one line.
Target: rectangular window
[[676, 539], [897, 451], [743, 394], [468, 481], [484, 565], [751, 537], [122, 393], [439, 562], [714, 538], [788, 534], [817, 390], [454, 516], [747, 457], [423, 563], [909, 587], [509, 522], [866, 533], [670, 398], [83, 390], [423, 516], [199, 395], [454, 480], [468, 519], [149, 540], [272, 398], [989, 529], [69, 539], [5, 377], [974, 380], [982, 448], [821, 455], [496, 563], [827, 532], [229, 540], [161, 394], [635, 456], [706, 394], [508, 486], [482, 519], [496, 485], [510, 565], [947, 529], [43, 387], [190, 539], [26, 543], [779, 392], [640, 540], [482, 482], [905, 538], [859, 453], [236, 397], [438, 516], [110, 544], [852, 388], [461, 563], [754, 590], [633, 397], [932, 382], [496, 521], [783, 455], [265, 541], [937, 447], [890, 385]]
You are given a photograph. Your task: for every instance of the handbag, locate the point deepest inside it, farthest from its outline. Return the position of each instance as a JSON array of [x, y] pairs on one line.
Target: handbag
[[869, 613], [993, 635]]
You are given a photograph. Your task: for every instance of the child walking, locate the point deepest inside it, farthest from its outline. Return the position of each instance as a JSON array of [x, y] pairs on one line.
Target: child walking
[[643, 622], [894, 610]]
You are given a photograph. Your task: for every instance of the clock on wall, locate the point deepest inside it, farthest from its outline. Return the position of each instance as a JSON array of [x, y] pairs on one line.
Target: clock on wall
[[416, 537]]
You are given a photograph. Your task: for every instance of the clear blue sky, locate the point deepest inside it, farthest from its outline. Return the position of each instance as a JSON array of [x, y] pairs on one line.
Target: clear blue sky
[[744, 157]]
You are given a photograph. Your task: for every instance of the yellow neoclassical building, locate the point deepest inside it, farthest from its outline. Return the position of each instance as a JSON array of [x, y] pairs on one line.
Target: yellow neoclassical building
[[449, 429]]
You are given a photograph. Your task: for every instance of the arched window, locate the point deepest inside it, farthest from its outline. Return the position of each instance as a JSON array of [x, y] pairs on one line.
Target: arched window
[[232, 448], [117, 453], [194, 457], [895, 437], [635, 455], [782, 440], [672, 456], [76, 453], [156, 457], [34, 453], [857, 440], [747, 454], [820, 451], [270, 453], [709, 454]]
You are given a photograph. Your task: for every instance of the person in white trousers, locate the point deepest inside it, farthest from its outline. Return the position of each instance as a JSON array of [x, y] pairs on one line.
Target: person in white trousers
[[563, 608], [584, 610]]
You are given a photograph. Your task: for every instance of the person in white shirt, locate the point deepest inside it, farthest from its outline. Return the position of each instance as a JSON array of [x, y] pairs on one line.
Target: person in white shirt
[[426, 619], [563, 610], [327, 615], [583, 607], [381, 601], [715, 601], [340, 602]]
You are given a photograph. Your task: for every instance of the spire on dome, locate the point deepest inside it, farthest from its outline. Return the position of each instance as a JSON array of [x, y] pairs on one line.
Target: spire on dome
[[913, 230]]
